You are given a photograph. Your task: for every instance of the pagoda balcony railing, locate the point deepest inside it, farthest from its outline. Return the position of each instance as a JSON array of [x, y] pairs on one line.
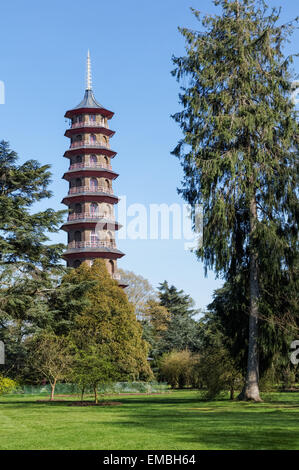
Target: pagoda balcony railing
[[82, 143], [77, 125], [88, 189], [89, 215], [92, 244], [74, 166]]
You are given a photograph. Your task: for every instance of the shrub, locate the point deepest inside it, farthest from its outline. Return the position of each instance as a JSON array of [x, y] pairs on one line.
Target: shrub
[[218, 373], [268, 380], [6, 385], [176, 368]]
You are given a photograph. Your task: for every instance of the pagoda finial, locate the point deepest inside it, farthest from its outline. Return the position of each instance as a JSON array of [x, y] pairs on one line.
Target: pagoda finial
[[88, 72]]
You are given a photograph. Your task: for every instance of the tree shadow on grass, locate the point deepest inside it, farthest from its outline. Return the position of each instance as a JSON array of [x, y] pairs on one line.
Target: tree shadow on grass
[[125, 399], [219, 430]]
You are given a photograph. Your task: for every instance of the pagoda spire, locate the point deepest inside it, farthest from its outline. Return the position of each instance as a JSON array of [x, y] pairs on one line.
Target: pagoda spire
[[88, 72]]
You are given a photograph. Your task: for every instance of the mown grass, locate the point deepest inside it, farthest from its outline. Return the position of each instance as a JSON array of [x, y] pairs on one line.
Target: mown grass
[[175, 421]]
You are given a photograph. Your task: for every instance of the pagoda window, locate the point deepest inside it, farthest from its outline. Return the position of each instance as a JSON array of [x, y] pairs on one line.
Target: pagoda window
[[79, 159], [78, 208], [93, 208], [78, 182], [79, 137], [92, 138], [111, 266], [94, 237], [109, 237], [79, 118], [107, 184], [93, 160], [78, 236], [106, 210], [93, 184], [92, 118]]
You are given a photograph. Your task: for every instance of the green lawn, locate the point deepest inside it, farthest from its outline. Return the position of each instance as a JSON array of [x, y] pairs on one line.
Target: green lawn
[[174, 421]]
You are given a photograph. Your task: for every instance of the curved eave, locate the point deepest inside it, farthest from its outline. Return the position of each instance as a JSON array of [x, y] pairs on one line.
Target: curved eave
[[100, 172], [103, 111], [94, 130], [90, 197], [122, 283], [90, 150], [108, 253], [123, 286], [90, 223]]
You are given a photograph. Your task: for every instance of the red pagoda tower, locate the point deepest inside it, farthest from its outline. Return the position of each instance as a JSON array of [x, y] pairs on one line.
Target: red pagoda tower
[[91, 223]]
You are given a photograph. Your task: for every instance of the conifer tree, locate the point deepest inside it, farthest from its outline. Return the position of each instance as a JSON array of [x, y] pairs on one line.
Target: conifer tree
[[23, 234], [29, 265], [109, 319], [240, 148], [182, 329]]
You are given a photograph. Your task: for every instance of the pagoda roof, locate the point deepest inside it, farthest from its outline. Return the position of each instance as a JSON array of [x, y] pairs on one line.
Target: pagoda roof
[[89, 103]]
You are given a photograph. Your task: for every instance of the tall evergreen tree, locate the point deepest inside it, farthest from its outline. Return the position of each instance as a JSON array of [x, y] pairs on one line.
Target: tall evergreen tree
[[29, 265], [240, 147], [182, 329], [23, 234]]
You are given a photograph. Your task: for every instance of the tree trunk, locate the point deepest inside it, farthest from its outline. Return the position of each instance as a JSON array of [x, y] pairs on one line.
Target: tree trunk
[[232, 391], [82, 393], [53, 389], [251, 387], [95, 394]]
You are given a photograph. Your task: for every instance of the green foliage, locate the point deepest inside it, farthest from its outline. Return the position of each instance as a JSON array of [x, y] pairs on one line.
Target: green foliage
[[51, 356], [109, 321], [288, 377], [23, 233], [182, 329], [44, 303], [279, 321], [218, 368], [176, 301], [93, 366], [29, 266], [155, 323], [6, 385], [218, 373], [239, 149], [240, 135], [269, 380], [177, 368]]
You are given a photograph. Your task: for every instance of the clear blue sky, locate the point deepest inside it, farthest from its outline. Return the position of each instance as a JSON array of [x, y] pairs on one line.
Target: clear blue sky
[[43, 47]]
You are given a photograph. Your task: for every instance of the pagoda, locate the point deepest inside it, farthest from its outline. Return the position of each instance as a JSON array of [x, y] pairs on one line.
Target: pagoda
[[91, 223]]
